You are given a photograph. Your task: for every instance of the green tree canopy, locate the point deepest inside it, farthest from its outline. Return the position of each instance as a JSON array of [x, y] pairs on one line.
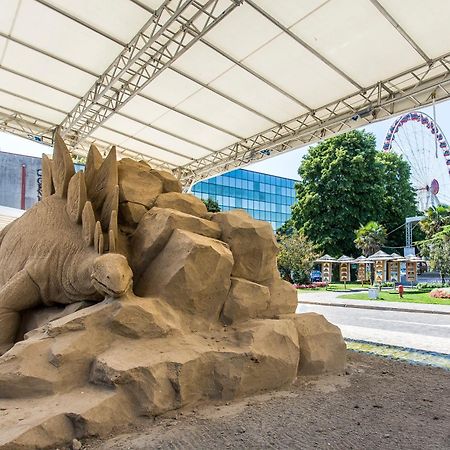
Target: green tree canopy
[[437, 249], [370, 238], [345, 182], [296, 257], [435, 219], [399, 198], [211, 205]]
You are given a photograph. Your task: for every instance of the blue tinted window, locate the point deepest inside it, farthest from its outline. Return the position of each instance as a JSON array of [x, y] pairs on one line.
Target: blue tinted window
[[263, 196]]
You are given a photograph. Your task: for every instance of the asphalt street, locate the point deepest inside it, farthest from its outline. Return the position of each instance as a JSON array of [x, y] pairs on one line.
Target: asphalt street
[[422, 331]]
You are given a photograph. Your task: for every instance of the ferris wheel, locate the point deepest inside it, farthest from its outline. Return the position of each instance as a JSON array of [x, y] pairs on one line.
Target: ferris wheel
[[420, 141]]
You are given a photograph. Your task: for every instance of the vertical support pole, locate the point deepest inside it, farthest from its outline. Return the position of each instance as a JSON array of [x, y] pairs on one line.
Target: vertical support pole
[[408, 229], [24, 186]]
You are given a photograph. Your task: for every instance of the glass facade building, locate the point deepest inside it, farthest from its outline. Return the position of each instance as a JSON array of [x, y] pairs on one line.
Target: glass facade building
[[265, 197]]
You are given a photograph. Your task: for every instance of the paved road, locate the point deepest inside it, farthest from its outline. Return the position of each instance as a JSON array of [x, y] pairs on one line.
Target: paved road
[[423, 331]]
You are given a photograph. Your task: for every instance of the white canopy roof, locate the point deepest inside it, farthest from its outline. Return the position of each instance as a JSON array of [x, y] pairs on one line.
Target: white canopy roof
[[204, 86], [7, 215]]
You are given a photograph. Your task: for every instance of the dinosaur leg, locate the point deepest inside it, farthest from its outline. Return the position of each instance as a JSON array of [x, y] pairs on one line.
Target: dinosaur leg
[[18, 294]]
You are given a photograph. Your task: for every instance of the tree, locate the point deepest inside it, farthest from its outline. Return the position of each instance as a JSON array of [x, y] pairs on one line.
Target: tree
[[370, 238], [296, 257], [437, 250], [211, 205], [345, 182], [399, 197], [434, 221]]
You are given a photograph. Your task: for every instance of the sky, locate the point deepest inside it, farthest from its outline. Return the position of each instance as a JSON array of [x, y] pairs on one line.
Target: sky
[[284, 165]]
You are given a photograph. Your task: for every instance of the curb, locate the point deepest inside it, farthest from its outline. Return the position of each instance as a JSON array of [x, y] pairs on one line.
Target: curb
[[385, 308]]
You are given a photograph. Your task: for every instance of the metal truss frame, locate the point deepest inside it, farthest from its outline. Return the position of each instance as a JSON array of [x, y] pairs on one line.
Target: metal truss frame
[[411, 89], [26, 126], [40, 131], [172, 30]]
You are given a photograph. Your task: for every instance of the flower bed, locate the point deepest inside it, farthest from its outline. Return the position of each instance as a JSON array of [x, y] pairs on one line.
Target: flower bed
[[440, 293], [315, 285]]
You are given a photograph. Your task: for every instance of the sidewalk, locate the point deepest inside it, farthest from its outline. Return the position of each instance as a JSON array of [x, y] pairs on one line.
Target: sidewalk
[[330, 298]]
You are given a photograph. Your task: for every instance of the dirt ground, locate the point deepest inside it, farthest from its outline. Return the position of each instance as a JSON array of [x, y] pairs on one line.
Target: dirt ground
[[378, 404]]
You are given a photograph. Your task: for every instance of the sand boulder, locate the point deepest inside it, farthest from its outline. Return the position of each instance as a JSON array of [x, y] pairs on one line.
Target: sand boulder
[[186, 203], [272, 358], [144, 318], [155, 229], [171, 374], [131, 213], [170, 183], [322, 347], [137, 183], [283, 298], [252, 243], [246, 300], [192, 273]]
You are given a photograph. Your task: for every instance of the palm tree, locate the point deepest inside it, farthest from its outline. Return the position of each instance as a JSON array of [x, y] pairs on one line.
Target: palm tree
[[435, 219], [370, 238]]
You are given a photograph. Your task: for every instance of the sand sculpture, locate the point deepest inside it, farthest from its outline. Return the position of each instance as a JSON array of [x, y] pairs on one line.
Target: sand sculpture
[[120, 297]]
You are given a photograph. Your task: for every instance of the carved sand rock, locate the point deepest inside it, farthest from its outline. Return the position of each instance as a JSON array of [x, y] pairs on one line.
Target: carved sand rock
[[121, 297]]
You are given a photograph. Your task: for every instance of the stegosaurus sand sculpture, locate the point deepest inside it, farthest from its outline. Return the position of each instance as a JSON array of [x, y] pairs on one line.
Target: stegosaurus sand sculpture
[[123, 297], [51, 255]]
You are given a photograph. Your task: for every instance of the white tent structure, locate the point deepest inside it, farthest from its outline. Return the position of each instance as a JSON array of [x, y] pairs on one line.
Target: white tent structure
[[204, 86], [7, 215]]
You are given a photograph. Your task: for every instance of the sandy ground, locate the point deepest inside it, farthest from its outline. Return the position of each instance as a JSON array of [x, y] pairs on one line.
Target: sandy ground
[[377, 404]]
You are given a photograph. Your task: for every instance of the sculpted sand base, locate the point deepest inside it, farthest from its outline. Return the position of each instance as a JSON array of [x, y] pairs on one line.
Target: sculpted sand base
[[122, 297]]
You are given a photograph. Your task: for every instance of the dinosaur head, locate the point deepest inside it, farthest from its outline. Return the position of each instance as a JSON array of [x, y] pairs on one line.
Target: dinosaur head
[[111, 275]]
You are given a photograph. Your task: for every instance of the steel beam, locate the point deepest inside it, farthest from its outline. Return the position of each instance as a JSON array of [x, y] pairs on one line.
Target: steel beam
[[143, 6], [49, 55], [225, 96], [190, 116], [403, 92], [181, 20], [81, 22], [400, 29], [82, 69], [40, 131], [303, 43], [143, 141], [241, 65], [255, 74], [158, 44], [121, 114], [26, 126]]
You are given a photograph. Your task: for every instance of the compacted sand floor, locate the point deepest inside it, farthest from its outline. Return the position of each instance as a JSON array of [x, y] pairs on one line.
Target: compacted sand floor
[[377, 404]]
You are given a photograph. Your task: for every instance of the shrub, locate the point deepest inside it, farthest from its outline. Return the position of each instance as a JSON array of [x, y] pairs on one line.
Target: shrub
[[432, 285]]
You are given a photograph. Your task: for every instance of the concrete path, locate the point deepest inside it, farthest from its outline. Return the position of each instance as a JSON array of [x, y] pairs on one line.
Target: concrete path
[[420, 328]]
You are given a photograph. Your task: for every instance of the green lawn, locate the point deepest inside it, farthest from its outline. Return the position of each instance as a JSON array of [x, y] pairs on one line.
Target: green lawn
[[338, 287], [349, 286], [408, 297]]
